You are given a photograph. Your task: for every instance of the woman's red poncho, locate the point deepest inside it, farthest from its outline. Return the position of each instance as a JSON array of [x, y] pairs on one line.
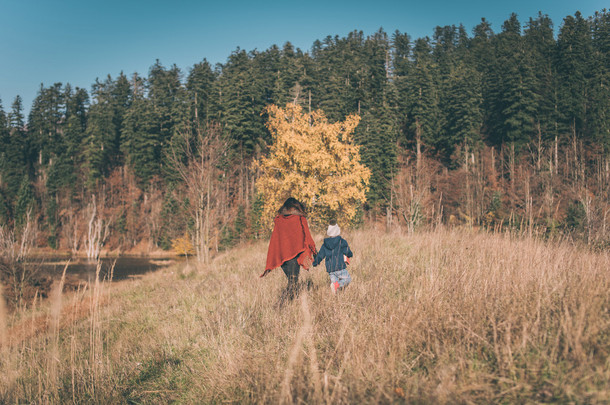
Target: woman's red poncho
[[290, 237]]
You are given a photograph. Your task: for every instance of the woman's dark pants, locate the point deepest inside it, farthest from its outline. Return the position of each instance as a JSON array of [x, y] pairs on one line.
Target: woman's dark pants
[[291, 269]]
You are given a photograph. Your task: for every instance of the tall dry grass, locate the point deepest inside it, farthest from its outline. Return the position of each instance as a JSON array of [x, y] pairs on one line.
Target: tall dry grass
[[443, 317]]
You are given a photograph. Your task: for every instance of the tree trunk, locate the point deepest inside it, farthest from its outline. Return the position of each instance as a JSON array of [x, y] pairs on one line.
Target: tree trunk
[[418, 149]]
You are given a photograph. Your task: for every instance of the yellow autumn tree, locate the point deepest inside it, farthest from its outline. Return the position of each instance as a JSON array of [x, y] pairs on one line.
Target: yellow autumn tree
[[315, 162], [183, 246]]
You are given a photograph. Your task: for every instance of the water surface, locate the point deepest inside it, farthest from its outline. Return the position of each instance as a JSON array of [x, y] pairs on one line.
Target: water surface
[[121, 268]]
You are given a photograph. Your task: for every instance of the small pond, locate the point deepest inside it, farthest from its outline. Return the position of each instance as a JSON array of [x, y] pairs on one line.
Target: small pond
[[124, 267]]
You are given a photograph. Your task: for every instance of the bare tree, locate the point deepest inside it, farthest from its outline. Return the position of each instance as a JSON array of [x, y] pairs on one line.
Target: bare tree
[[196, 155], [15, 245], [70, 230], [97, 230], [412, 196]]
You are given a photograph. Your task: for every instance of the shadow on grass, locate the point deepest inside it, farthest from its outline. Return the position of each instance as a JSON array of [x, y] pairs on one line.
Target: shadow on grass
[[154, 380]]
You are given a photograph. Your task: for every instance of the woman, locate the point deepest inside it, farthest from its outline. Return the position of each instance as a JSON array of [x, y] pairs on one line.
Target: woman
[[291, 244]]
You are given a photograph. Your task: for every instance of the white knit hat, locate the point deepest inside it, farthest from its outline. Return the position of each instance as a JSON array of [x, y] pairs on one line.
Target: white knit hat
[[333, 230]]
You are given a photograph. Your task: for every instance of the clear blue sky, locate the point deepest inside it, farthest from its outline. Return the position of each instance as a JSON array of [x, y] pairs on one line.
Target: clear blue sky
[[77, 41]]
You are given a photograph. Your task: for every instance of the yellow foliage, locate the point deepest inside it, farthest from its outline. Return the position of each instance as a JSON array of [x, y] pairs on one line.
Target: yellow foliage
[[315, 162], [183, 246]]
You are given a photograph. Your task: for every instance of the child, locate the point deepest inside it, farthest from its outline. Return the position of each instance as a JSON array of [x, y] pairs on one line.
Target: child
[[336, 251]]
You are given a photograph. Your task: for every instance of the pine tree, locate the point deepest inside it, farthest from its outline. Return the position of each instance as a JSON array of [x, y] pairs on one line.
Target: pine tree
[[446, 58], [64, 157], [481, 56], [599, 85], [464, 115], [24, 203], [338, 76], [401, 53], [267, 77], [377, 135], [45, 123], [5, 211], [291, 82], [445, 43], [242, 102], [167, 98], [423, 111], [120, 94], [173, 219], [100, 144], [513, 98], [4, 139], [200, 87], [302, 66], [378, 132], [539, 53], [16, 163], [76, 125], [400, 80], [574, 60], [480, 46], [141, 138]]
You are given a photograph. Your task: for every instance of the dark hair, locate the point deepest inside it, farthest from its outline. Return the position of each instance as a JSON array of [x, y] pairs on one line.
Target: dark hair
[[333, 221], [292, 206]]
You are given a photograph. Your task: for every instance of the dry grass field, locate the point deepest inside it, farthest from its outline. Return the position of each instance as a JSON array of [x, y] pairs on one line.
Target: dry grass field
[[431, 317]]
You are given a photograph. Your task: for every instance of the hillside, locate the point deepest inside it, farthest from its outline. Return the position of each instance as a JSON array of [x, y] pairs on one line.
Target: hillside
[[444, 316]]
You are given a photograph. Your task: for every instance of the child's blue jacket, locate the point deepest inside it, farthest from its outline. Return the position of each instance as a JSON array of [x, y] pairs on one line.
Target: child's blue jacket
[[333, 250]]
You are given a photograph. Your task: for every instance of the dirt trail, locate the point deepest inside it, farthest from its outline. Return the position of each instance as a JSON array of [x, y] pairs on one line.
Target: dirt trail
[[304, 333]]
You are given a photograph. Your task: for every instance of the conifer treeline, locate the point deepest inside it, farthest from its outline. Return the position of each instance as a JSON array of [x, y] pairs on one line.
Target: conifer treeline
[[446, 97]]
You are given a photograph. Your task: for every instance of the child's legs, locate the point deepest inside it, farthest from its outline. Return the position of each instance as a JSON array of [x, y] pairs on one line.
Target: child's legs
[[342, 276]]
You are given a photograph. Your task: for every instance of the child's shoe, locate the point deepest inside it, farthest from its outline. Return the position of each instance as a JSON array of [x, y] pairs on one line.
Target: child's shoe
[[334, 287]]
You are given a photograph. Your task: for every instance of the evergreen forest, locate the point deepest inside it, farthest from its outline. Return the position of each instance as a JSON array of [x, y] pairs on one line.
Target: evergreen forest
[[505, 128]]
